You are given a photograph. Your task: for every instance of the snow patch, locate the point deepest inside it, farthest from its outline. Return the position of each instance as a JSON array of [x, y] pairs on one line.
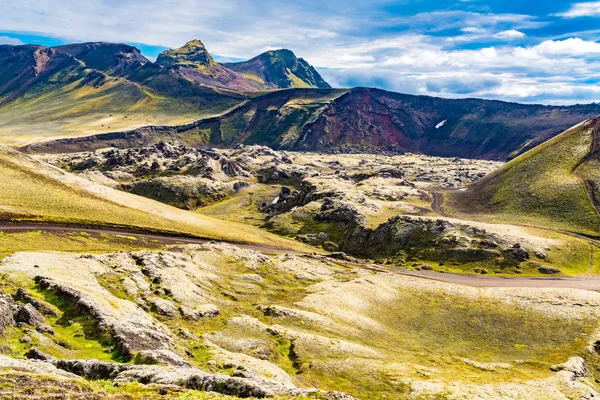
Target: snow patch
[[438, 126]]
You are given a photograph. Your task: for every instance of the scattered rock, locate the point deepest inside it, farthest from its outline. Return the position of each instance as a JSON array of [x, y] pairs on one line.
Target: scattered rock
[[546, 269], [27, 314], [203, 311], [35, 354], [45, 309]]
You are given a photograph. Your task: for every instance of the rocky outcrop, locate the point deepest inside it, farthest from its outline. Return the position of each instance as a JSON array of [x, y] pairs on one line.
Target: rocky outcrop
[[402, 237], [43, 307], [6, 312], [242, 384], [130, 335]]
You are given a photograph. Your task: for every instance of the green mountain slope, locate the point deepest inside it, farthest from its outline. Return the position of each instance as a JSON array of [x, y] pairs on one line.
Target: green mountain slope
[[78, 90], [555, 185], [280, 69], [363, 120]]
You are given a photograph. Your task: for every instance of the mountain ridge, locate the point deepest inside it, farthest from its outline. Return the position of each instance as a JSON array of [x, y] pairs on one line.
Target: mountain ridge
[[280, 69], [310, 119]]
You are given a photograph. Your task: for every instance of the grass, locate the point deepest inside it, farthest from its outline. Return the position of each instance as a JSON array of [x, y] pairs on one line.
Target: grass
[[426, 329], [33, 191], [75, 110], [243, 207], [78, 242], [539, 187]]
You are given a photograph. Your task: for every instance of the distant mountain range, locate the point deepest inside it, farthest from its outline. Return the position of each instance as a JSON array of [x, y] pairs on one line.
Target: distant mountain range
[[275, 99]]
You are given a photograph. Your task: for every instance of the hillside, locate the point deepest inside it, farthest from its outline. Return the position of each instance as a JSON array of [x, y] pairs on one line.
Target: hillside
[[31, 190], [555, 185], [280, 69], [78, 90], [91, 88], [362, 120]]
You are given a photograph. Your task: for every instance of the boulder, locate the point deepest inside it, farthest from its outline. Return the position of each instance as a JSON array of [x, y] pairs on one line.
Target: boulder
[[35, 354], [163, 307], [27, 314], [548, 270], [203, 311], [519, 253], [161, 356]]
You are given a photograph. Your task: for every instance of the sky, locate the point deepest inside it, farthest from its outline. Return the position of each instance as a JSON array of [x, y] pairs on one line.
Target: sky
[[514, 50]]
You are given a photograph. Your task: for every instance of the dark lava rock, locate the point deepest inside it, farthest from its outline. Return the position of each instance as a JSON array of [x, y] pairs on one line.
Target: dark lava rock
[[35, 354], [26, 313], [519, 253], [25, 297], [545, 269]]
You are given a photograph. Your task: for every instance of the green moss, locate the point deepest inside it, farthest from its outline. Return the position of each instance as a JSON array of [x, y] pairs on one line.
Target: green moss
[[540, 187]]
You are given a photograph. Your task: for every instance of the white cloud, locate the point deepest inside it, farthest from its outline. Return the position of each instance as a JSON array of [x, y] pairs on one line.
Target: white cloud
[[472, 29], [354, 47], [9, 40], [587, 9], [568, 47], [509, 34]]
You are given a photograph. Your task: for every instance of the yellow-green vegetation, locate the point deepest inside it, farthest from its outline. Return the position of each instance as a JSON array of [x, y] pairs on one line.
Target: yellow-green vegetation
[[77, 110], [541, 187], [79, 242], [243, 207], [462, 339], [33, 191]]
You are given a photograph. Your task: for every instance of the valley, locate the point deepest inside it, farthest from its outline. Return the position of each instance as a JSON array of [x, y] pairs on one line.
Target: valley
[[190, 229]]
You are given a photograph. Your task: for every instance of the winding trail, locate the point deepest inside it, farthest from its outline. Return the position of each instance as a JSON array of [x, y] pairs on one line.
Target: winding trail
[[436, 205], [585, 283]]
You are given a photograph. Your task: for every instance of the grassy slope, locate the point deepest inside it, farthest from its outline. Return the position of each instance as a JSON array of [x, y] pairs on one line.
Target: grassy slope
[[538, 187], [77, 110], [34, 191]]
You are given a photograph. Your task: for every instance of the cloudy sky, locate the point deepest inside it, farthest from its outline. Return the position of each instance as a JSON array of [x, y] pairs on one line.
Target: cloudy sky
[[517, 50]]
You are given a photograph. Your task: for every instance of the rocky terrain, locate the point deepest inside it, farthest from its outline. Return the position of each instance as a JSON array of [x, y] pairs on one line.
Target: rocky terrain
[[222, 319], [190, 232], [377, 207]]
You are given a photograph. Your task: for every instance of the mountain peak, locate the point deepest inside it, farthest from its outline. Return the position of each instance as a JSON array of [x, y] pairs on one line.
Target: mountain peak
[[280, 69], [191, 54]]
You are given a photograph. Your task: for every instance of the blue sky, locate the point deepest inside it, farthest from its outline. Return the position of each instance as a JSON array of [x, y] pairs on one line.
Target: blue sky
[[525, 51]]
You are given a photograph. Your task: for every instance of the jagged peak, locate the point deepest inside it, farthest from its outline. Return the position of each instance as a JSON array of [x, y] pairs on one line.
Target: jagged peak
[[193, 52]]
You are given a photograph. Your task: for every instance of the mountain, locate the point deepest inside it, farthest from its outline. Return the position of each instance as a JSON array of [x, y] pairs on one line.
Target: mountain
[[195, 63], [91, 88], [362, 120], [82, 89], [280, 69], [556, 184]]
